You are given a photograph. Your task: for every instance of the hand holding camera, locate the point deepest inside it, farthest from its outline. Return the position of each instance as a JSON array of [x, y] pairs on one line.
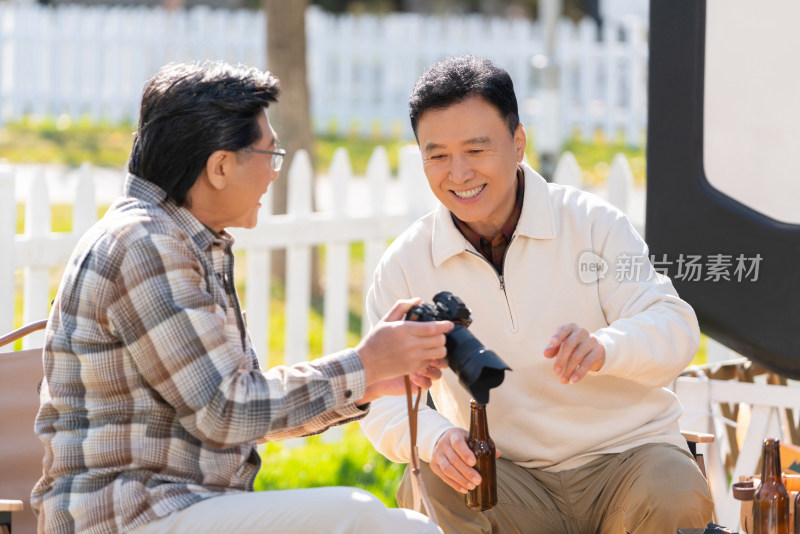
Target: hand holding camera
[[478, 368], [395, 348]]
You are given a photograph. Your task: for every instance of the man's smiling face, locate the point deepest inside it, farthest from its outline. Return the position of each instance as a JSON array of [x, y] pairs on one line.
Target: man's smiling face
[[470, 159]]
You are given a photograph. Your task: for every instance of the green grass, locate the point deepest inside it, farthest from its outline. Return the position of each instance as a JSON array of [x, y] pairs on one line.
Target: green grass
[[71, 142], [349, 462], [360, 150], [594, 158], [66, 141]]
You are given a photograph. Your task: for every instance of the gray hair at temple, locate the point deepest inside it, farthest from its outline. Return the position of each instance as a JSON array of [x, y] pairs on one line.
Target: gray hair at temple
[[189, 111]]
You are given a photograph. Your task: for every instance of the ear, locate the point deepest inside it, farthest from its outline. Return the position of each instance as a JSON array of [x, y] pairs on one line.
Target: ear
[[520, 141], [219, 167]]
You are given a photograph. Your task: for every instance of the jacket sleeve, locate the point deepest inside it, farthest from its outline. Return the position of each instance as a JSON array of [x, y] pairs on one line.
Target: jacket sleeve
[[386, 425], [652, 335], [175, 334]]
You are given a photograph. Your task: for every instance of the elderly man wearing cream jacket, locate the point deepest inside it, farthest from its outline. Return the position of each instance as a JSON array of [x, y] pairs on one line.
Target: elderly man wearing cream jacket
[[561, 288]]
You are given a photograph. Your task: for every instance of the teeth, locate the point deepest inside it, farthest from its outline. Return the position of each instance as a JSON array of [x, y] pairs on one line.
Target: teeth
[[469, 193]]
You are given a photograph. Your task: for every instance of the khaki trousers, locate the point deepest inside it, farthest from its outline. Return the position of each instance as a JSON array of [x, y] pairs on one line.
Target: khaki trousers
[[332, 510], [650, 489]]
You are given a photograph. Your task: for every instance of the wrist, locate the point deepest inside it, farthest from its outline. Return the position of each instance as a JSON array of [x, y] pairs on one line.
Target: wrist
[[367, 363], [369, 396]]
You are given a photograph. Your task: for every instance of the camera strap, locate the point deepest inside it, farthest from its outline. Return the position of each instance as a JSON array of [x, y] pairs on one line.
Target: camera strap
[[418, 492]]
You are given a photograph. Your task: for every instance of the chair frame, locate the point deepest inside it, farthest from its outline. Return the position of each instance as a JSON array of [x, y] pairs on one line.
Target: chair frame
[[7, 506]]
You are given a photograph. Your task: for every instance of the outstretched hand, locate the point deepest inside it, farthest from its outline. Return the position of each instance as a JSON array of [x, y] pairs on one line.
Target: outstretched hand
[[576, 351]]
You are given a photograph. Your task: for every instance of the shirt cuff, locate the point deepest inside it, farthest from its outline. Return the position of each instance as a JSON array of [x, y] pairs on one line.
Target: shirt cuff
[[606, 337], [347, 377]]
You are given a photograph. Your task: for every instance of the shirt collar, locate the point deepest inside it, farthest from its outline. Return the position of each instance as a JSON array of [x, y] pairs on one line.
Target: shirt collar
[[147, 191], [536, 220]]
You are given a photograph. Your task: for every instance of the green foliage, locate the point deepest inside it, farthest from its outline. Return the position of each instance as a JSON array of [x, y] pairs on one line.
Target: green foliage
[[349, 462], [595, 157], [67, 142], [359, 150], [64, 141]]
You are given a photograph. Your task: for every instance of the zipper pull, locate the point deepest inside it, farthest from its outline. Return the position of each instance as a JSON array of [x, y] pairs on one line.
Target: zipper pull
[[502, 283]]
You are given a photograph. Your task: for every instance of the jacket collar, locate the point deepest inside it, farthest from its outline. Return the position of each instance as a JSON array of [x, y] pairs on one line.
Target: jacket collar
[[537, 220], [149, 192]]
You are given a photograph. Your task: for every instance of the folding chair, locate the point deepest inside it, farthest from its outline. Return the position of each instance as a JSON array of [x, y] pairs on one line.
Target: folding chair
[[692, 439], [20, 451]]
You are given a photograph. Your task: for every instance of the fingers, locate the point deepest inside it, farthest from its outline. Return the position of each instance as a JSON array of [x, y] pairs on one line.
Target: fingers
[[399, 310], [576, 352], [558, 337], [440, 363], [421, 380], [452, 461], [431, 372], [420, 328], [429, 328], [395, 347], [593, 361]]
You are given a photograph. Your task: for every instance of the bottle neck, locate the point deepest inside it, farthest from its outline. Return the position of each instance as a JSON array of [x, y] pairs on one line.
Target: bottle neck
[[771, 461], [478, 425]]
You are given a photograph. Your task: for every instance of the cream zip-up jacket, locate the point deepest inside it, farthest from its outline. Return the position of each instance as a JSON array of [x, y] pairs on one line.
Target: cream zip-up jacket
[[553, 275]]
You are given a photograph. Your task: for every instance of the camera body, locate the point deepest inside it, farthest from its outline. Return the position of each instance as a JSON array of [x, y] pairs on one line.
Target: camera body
[[478, 368]]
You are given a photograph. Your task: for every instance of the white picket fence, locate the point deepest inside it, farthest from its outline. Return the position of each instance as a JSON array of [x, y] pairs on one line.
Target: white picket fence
[[370, 209], [94, 60]]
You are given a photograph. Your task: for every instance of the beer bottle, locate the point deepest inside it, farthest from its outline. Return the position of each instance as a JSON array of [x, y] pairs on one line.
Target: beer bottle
[[771, 500], [484, 496], [797, 514]]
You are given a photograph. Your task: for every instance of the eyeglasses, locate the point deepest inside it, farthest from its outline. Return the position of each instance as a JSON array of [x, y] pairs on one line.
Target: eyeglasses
[[277, 156]]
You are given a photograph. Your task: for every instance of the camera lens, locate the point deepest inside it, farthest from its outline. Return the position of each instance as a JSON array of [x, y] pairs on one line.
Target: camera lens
[[478, 368]]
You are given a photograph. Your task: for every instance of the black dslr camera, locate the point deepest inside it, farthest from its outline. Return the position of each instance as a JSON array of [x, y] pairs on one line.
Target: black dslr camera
[[478, 368]]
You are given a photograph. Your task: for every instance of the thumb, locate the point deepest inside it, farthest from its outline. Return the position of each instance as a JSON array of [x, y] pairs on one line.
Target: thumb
[[399, 310]]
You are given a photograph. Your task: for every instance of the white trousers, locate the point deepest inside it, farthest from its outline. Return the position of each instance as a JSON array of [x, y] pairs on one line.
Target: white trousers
[[330, 510]]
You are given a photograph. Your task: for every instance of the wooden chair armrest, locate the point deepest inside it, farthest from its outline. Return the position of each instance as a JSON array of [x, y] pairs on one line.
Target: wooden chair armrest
[[23, 331], [697, 437], [10, 506]]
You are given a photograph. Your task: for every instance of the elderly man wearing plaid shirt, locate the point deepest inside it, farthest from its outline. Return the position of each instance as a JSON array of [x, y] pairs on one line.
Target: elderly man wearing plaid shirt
[[153, 398]]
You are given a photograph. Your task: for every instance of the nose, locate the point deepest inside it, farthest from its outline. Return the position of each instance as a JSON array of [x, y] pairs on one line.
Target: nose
[[460, 170]]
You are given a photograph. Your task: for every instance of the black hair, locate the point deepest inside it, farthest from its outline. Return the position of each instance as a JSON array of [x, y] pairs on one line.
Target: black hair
[[454, 79], [189, 111]]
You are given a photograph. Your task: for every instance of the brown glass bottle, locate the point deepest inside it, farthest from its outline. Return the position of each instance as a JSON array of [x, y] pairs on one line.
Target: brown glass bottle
[[771, 500], [797, 514], [484, 496]]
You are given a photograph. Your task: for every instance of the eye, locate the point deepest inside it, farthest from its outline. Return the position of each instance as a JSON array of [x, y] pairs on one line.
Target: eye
[[475, 151], [437, 157]]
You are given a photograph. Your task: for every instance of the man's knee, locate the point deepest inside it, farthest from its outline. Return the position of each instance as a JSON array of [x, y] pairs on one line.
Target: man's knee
[[449, 506], [435, 486], [371, 515], [367, 504], [672, 491]]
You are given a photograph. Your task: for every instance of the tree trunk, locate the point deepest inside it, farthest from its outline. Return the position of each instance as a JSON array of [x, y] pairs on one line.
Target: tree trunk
[[291, 117]]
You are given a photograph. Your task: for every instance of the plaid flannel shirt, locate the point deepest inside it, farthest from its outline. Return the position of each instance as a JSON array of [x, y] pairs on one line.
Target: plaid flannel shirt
[[153, 398]]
